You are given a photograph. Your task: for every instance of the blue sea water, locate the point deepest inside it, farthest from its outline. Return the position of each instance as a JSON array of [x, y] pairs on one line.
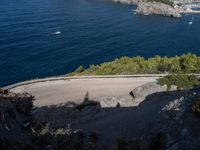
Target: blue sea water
[[92, 32]]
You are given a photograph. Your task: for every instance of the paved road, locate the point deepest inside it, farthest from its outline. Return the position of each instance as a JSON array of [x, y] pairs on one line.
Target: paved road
[[60, 91]]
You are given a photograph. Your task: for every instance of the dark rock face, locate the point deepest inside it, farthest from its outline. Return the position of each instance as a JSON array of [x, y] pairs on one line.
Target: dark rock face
[[174, 124], [178, 121], [196, 107], [139, 93], [20, 131], [15, 119], [14, 113]]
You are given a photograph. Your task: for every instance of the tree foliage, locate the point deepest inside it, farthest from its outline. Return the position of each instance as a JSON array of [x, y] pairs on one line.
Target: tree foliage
[[180, 80], [186, 63]]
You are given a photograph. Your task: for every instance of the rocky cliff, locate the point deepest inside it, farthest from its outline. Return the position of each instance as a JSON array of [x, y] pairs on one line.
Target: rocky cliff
[[20, 130], [149, 8], [157, 8]]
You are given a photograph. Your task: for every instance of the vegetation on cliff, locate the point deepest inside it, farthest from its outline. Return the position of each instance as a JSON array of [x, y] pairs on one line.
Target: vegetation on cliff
[[186, 63], [180, 80]]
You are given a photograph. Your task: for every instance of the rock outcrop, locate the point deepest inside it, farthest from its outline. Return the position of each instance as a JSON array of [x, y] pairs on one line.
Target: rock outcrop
[[157, 8], [15, 119], [113, 101], [14, 113], [179, 123], [150, 8], [140, 93]]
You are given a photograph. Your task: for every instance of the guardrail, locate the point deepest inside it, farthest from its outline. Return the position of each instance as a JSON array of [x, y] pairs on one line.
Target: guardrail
[[84, 77]]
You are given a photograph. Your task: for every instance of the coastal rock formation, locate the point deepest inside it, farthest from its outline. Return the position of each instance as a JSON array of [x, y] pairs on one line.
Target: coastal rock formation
[[150, 8], [140, 93], [157, 8]]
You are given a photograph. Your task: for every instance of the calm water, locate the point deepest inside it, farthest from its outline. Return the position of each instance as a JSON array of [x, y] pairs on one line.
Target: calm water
[[93, 31]]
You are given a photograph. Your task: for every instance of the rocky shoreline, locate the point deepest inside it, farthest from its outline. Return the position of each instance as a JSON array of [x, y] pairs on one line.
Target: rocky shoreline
[[153, 8], [157, 8]]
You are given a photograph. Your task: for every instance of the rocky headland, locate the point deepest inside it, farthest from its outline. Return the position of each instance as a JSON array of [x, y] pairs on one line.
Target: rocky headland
[[157, 8], [153, 7]]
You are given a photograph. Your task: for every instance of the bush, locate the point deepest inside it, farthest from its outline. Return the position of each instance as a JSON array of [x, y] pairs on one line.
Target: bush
[[180, 80], [80, 69], [186, 63]]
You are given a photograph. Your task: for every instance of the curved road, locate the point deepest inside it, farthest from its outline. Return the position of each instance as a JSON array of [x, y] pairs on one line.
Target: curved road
[[61, 90]]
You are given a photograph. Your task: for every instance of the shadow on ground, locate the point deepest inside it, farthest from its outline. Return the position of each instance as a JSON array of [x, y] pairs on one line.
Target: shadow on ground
[[130, 122]]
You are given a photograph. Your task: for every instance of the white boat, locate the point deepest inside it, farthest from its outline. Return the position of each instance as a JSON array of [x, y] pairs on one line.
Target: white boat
[[191, 22], [57, 32]]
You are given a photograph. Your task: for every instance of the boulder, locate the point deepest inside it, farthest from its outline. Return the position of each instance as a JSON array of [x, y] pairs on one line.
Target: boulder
[[113, 101], [140, 93]]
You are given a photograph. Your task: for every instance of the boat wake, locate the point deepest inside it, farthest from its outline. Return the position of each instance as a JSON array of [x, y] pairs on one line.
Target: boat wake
[[191, 22]]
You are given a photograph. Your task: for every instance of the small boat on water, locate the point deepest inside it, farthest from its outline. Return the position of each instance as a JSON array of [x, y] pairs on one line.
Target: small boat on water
[[57, 32], [191, 22]]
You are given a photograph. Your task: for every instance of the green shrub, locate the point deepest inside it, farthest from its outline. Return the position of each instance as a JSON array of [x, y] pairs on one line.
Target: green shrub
[[186, 63], [80, 69], [180, 80]]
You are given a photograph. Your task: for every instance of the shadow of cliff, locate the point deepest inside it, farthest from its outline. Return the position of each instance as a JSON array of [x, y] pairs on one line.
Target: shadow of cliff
[[110, 122]]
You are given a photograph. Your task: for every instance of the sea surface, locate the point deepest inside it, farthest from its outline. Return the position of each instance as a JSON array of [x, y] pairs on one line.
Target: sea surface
[[92, 32]]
